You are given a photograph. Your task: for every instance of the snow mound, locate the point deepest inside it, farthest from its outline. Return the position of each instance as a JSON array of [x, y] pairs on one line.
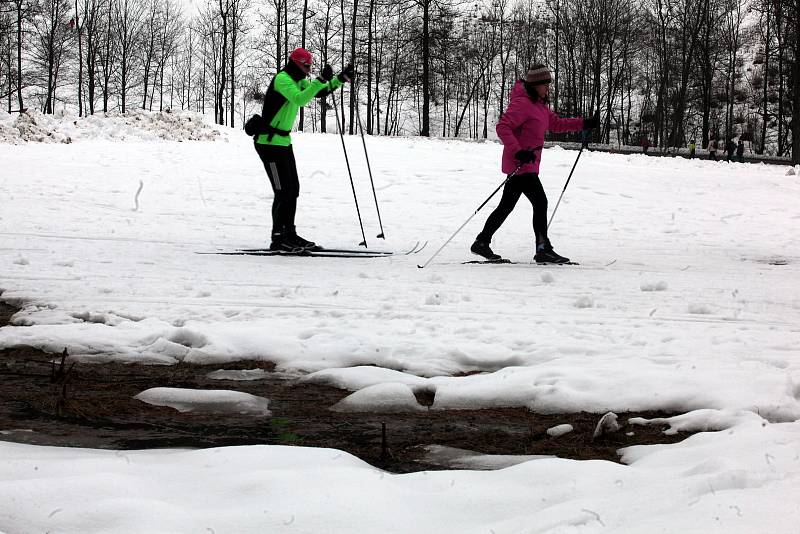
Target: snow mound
[[206, 401], [559, 430], [362, 376], [36, 127], [705, 420], [385, 398]]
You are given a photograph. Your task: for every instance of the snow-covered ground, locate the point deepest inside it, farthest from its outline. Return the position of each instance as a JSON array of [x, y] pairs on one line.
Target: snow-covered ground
[[687, 299]]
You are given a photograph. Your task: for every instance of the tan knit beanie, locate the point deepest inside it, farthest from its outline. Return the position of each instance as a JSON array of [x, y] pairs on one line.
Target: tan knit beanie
[[538, 75]]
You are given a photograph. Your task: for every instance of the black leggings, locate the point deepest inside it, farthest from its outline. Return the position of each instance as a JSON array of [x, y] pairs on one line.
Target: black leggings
[[522, 184], [282, 171]]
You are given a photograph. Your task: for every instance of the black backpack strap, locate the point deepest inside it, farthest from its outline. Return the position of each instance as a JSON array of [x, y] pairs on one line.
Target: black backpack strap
[[271, 130], [273, 102]]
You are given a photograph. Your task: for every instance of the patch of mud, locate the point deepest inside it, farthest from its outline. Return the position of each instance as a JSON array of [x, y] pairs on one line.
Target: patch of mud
[[92, 405], [6, 312]]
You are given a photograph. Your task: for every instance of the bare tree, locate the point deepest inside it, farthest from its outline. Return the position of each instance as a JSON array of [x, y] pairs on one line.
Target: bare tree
[[107, 51], [50, 50], [708, 57], [479, 57], [425, 8], [24, 9], [239, 29], [129, 15], [91, 29], [796, 85], [324, 33], [77, 21], [731, 35], [6, 52], [171, 29], [689, 20], [148, 45], [224, 17], [210, 34], [277, 24], [221, 26]]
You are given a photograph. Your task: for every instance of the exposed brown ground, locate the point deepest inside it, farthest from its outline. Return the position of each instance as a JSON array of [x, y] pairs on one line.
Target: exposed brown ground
[[97, 410]]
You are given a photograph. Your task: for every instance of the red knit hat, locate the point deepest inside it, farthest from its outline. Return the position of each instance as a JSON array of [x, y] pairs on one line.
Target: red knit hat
[[301, 57]]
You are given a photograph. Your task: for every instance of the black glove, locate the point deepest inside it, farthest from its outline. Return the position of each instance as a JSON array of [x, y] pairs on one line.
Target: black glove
[[591, 123], [327, 73], [525, 156], [347, 74]]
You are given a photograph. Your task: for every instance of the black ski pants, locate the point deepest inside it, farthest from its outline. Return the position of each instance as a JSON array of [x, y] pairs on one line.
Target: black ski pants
[[282, 171], [522, 184]]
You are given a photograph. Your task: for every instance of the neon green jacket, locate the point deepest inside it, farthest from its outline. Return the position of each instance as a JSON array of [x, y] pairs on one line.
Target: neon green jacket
[[296, 94]]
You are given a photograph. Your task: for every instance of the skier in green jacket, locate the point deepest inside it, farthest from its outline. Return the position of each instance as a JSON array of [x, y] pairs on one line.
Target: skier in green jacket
[[287, 93]]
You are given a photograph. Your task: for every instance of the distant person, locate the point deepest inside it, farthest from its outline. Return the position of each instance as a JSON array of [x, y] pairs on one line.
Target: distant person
[[712, 149], [730, 149], [645, 145], [692, 148], [521, 129], [740, 151], [287, 93]]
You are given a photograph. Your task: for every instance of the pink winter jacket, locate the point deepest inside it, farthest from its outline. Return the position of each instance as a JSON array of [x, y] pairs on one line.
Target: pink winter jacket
[[523, 125]]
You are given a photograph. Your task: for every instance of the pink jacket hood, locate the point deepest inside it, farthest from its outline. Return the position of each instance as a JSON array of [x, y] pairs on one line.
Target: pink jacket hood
[[523, 126]]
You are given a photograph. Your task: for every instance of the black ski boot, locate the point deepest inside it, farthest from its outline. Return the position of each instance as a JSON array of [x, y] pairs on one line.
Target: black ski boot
[[302, 244], [481, 248], [282, 243], [546, 254], [297, 241]]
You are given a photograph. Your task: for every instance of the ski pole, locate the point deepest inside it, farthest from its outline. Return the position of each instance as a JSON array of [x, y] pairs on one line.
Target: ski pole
[[347, 161], [471, 216], [584, 134], [369, 169]]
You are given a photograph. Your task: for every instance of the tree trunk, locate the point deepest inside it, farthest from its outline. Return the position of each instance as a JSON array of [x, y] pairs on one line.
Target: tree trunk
[[234, 28], [223, 80], [353, 95], [425, 130], [779, 36], [765, 108], [369, 66], [10, 78], [342, 123], [107, 60], [19, 56], [278, 23], [796, 88], [78, 27], [556, 70], [91, 57], [303, 45]]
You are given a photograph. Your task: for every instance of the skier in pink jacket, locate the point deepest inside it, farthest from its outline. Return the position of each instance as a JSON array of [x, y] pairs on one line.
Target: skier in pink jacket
[[521, 129]]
